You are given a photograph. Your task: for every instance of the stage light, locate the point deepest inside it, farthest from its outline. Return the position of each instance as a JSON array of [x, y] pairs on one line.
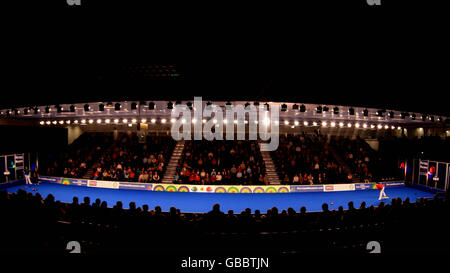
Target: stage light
[[61, 122], [286, 122], [133, 106], [172, 120], [295, 107], [302, 108], [235, 121], [324, 123], [125, 120], [336, 110], [283, 107], [151, 106], [117, 107], [48, 122], [349, 125], [351, 111], [163, 121], [134, 120], [379, 126], [86, 107], [365, 125], [399, 128], [130, 125], [116, 121], [392, 127], [365, 112], [296, 123], [194, 121], [314, 123], [169, 105], [54, 122], [107, 121], [91, 121], [101, 107], [341, 124], [256, 122], [75, 121], [333, 124], [225, 121], [357, 125], [319, 109], [386, 127], [203, 120], [372, 126], [214, 121], [391, 114], [41, 122], [67, 121], [144, 120], [47, 110], [83, 121], [99, 121]]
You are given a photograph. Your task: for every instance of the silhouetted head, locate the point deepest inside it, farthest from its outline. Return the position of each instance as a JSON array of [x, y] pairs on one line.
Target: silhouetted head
[[216, 207], [303, 209], [75, 200], [145, 207], [350, 205], [325, 207], [87, 200]]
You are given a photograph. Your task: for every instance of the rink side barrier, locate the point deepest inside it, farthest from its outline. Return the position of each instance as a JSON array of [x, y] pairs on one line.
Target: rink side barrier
[[215, 188]]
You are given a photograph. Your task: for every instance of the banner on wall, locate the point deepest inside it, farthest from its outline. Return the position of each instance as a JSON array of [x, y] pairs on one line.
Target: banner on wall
[[423, 167], [215, 188]]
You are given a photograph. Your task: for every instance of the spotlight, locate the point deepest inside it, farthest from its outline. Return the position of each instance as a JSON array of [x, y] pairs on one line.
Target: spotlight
[[432, 118], [351, 111], [151, 106], [72, 108], [117, 107], [169, 105], [99, 121], [107, 121], [101, 107], [144, 120], [302, 108], [25, 111], [75, 121], [333, 124], [86, 107], [116, 121], [365, 125], [83, 121], [133, 106], [41, 122], [125, 120], [54, 122], [134, 120], [283, 107], [295, 107], [357, 125], [341, 124], [413, 116], [349, 125], [314, 123], [336, 110], [324, 123], [48, 122], [163, 121], [424, 117], [404, 115], [325, 108], [286, 122], [379, 126], [91, 121], [391, 114], [58, 108]]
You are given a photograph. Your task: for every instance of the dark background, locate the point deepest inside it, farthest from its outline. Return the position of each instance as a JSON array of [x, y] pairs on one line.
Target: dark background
[[392, 56]]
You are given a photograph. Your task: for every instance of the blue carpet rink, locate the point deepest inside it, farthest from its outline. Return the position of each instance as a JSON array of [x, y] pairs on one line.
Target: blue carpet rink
[[203, 202]]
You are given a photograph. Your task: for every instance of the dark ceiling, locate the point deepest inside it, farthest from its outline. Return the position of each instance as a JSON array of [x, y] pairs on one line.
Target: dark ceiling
[[327, 52]]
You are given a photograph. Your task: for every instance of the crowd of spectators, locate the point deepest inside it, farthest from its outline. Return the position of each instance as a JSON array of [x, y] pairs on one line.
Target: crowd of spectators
[[103, 228], [76, 158], [221, 162], [305, 160], [130, 159]]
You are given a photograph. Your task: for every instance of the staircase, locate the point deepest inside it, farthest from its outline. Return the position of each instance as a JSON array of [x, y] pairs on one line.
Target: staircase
[[270, 169], [172, 166]]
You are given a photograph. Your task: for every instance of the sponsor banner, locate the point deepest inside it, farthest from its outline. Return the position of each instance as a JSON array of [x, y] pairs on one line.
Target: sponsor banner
[[423, 168], [308, 188], [339, 187], [48, 179], [220, 188], [135, 186], [103, 184]]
